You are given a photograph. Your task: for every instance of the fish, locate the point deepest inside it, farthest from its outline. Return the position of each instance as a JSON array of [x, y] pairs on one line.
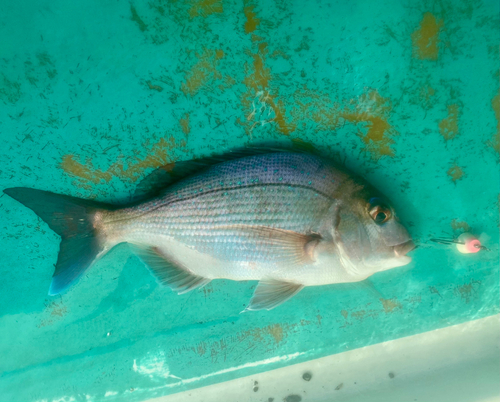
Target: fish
[[284, 218]]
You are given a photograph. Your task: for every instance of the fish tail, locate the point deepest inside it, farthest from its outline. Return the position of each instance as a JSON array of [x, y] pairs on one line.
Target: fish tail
[[77, 222]]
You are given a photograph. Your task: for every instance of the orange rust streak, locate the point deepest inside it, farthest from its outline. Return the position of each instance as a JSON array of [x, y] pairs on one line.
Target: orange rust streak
[[390, 305], [258, 81], [185, 124], [84, 171], [426, 38], [455, 172], [206, 7], [459, 225], [158, 156], [376, 133], [155, 87], [203, 71], [448, 127], [252, 21]]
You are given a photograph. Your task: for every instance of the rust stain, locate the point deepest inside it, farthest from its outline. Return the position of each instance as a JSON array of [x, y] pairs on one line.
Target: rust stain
[[269, 336], [201, 348], [279, 53], [58, 309], [344, 313], [358, 314], [426, 94], [252, 22], [319, 319], [84, 171], [205, 8], [155, 87], [276, 331], [426, 38], [132, 169], [227, 82], [257, 79], [465, 291], [495, 142], [390, 305], [414, 299], [285, 127], [460, 225], [434, 290], [373, 110], [456, 173], [203, 71], [370, 111], [448, 127], [185, 124]]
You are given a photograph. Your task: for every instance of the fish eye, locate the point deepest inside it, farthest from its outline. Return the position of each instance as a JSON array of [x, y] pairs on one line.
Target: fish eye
[[380, 214]]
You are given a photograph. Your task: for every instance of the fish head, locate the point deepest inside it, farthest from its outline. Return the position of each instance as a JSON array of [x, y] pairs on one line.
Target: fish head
[[369, 235]]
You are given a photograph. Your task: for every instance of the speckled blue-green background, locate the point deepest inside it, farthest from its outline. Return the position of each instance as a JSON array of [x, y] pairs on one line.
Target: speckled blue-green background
[[95, 94]]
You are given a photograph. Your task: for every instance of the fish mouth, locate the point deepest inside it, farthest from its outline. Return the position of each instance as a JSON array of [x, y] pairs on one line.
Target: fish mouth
[[402, 249]]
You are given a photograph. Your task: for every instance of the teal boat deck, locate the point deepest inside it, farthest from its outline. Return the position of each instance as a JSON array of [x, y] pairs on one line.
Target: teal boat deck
[[95, 95]]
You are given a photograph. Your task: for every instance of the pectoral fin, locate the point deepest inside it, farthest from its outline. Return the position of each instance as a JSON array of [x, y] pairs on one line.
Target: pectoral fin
[[271, 293], [168, 272], [290, 246]]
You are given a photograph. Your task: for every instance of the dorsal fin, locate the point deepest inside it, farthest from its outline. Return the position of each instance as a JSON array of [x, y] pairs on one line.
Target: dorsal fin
[[154, 183]]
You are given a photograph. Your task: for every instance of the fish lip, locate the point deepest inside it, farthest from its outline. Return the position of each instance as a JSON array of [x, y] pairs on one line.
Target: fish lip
[[402, 249]]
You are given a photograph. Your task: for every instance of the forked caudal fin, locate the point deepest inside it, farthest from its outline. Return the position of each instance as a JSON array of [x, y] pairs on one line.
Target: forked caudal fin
[[72, 219]]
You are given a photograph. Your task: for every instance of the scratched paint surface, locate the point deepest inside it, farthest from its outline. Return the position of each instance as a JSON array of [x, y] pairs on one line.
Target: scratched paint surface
[[94, 95]]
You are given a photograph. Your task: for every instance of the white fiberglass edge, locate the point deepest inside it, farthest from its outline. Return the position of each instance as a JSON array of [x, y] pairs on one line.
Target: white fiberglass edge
[[454, 364]]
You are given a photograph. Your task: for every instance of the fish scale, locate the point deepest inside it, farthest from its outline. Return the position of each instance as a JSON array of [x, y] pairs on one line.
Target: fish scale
[[285, 191], [286, 219], [282, 191]]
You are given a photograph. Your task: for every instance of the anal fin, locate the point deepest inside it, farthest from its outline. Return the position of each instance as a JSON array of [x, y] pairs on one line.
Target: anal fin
[[167, 272], [271, 293]]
